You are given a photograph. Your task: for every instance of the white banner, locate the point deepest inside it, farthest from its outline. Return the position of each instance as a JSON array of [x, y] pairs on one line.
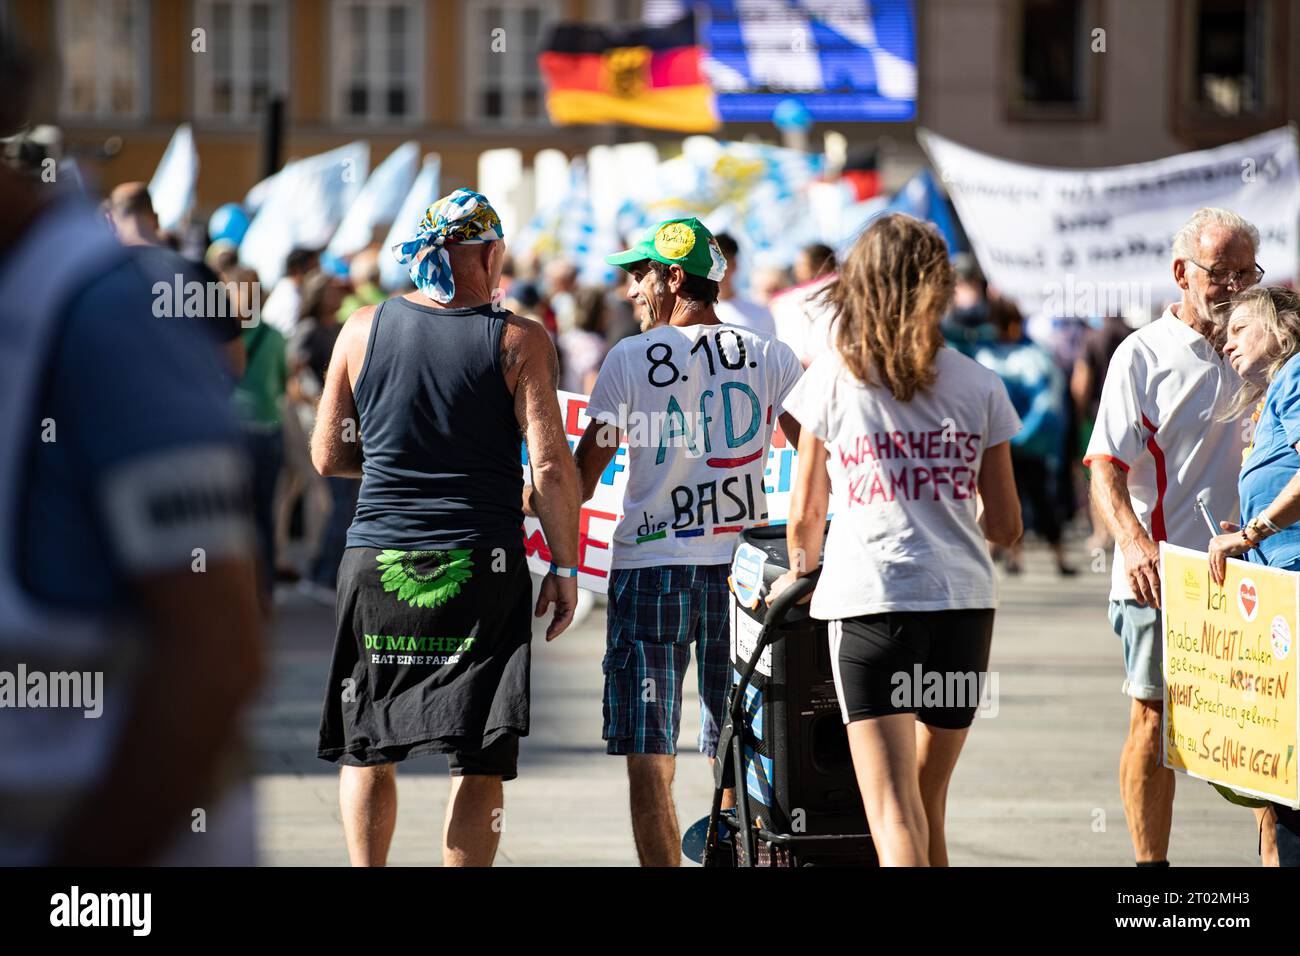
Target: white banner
[[601, 515], [1096, 241]]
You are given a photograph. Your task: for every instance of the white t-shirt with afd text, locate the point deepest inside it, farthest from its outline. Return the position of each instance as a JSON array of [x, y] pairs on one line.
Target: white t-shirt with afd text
[[903, 534], [697, 405]]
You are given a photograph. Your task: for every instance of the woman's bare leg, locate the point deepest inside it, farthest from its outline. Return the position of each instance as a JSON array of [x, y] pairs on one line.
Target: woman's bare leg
[[937, 752], [884, 761]]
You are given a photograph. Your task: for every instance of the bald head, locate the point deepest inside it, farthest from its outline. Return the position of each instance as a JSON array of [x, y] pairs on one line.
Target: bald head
[[130, 209], [476, 270]]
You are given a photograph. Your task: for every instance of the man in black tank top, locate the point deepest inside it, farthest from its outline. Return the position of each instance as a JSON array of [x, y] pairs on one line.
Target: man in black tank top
[[426, 400]]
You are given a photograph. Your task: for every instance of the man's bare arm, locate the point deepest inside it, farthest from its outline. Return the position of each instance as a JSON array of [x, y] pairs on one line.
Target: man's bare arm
[[598, 446], [336, 439], [554, 496], [790, 428], [1081, 384], [1109, 489]]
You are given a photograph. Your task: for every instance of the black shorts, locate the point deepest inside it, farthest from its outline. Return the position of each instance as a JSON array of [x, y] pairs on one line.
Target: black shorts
[[431, 655], [498, 759], [930, 663]]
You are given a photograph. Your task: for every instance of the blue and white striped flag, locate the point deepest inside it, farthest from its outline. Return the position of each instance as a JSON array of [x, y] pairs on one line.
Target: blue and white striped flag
[[850, 60]]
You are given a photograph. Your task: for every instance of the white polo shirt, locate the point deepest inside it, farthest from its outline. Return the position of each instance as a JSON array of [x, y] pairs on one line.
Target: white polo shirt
[[1160, 420]]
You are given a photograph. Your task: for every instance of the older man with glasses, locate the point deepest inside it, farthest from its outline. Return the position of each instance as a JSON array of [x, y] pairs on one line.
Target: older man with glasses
[[1158, 444]]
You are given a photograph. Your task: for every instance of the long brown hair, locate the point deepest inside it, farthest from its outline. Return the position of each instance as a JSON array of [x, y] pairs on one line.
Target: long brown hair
[[892, 289]]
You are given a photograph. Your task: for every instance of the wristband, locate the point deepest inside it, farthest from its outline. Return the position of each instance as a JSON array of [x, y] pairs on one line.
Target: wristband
[[560, 572], [1273, 529]]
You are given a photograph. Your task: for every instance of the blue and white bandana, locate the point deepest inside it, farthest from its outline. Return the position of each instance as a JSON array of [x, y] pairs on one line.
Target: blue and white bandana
[[465, 217]]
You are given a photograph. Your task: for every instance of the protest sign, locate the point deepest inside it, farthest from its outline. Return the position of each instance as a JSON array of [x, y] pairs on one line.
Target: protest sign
[[601, 515], [1092, 242], [1230, 713]]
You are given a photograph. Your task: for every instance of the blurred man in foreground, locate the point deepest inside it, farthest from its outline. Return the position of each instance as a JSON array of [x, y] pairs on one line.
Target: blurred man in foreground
[[129, 637]]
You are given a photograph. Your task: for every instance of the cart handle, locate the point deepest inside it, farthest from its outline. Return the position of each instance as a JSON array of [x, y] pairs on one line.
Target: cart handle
[[773, 619], [788, 598]]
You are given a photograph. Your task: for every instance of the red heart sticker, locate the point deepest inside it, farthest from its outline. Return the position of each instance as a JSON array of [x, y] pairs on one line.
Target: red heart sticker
[[1248, 597]]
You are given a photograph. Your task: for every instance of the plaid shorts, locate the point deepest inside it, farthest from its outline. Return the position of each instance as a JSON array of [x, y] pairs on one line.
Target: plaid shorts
[[655, 614]]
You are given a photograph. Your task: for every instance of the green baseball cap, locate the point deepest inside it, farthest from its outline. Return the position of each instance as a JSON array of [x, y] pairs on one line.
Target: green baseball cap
[[680, 242]]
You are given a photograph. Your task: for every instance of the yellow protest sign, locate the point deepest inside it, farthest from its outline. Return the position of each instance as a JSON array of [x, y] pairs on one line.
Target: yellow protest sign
[[1230, 712]]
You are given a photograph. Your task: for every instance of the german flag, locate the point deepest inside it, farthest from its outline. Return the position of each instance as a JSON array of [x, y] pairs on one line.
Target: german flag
[[643, 76]]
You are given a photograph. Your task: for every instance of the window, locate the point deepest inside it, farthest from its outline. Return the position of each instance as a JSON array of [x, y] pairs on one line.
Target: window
[[1231, 76], [103, 45], [1053, 70], [378, 52], [502, 42], [1229, 57], [245, 62]]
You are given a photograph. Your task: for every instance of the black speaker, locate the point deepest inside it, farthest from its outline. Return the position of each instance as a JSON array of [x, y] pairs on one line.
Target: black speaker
[[798, 772]]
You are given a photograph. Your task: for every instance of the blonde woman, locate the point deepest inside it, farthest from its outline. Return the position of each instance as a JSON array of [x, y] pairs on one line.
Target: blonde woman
[[911, 441], [1262, 346]]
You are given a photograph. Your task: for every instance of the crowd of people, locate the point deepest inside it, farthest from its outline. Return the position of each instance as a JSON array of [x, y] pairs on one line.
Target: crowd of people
[[162, 476], [1053, 369]]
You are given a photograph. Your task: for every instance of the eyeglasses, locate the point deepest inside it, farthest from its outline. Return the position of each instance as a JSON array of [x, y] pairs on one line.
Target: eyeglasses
[[1228, 277]]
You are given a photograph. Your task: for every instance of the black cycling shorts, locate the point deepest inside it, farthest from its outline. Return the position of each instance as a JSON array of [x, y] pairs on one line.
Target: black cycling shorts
[[933, 664]]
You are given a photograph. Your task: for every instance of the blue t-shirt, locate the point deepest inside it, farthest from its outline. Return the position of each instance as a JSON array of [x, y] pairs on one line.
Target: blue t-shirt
[[1273, 461], [1037, 391], [122, 388]]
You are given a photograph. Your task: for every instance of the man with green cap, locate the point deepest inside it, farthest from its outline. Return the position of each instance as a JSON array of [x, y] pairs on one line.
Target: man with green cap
[[697, 402]]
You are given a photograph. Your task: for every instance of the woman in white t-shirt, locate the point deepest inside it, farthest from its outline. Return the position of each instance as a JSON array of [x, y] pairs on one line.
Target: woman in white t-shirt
[[903, 440]]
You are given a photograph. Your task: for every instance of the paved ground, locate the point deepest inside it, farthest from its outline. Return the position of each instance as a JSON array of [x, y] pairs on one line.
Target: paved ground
[[1036, 784]]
